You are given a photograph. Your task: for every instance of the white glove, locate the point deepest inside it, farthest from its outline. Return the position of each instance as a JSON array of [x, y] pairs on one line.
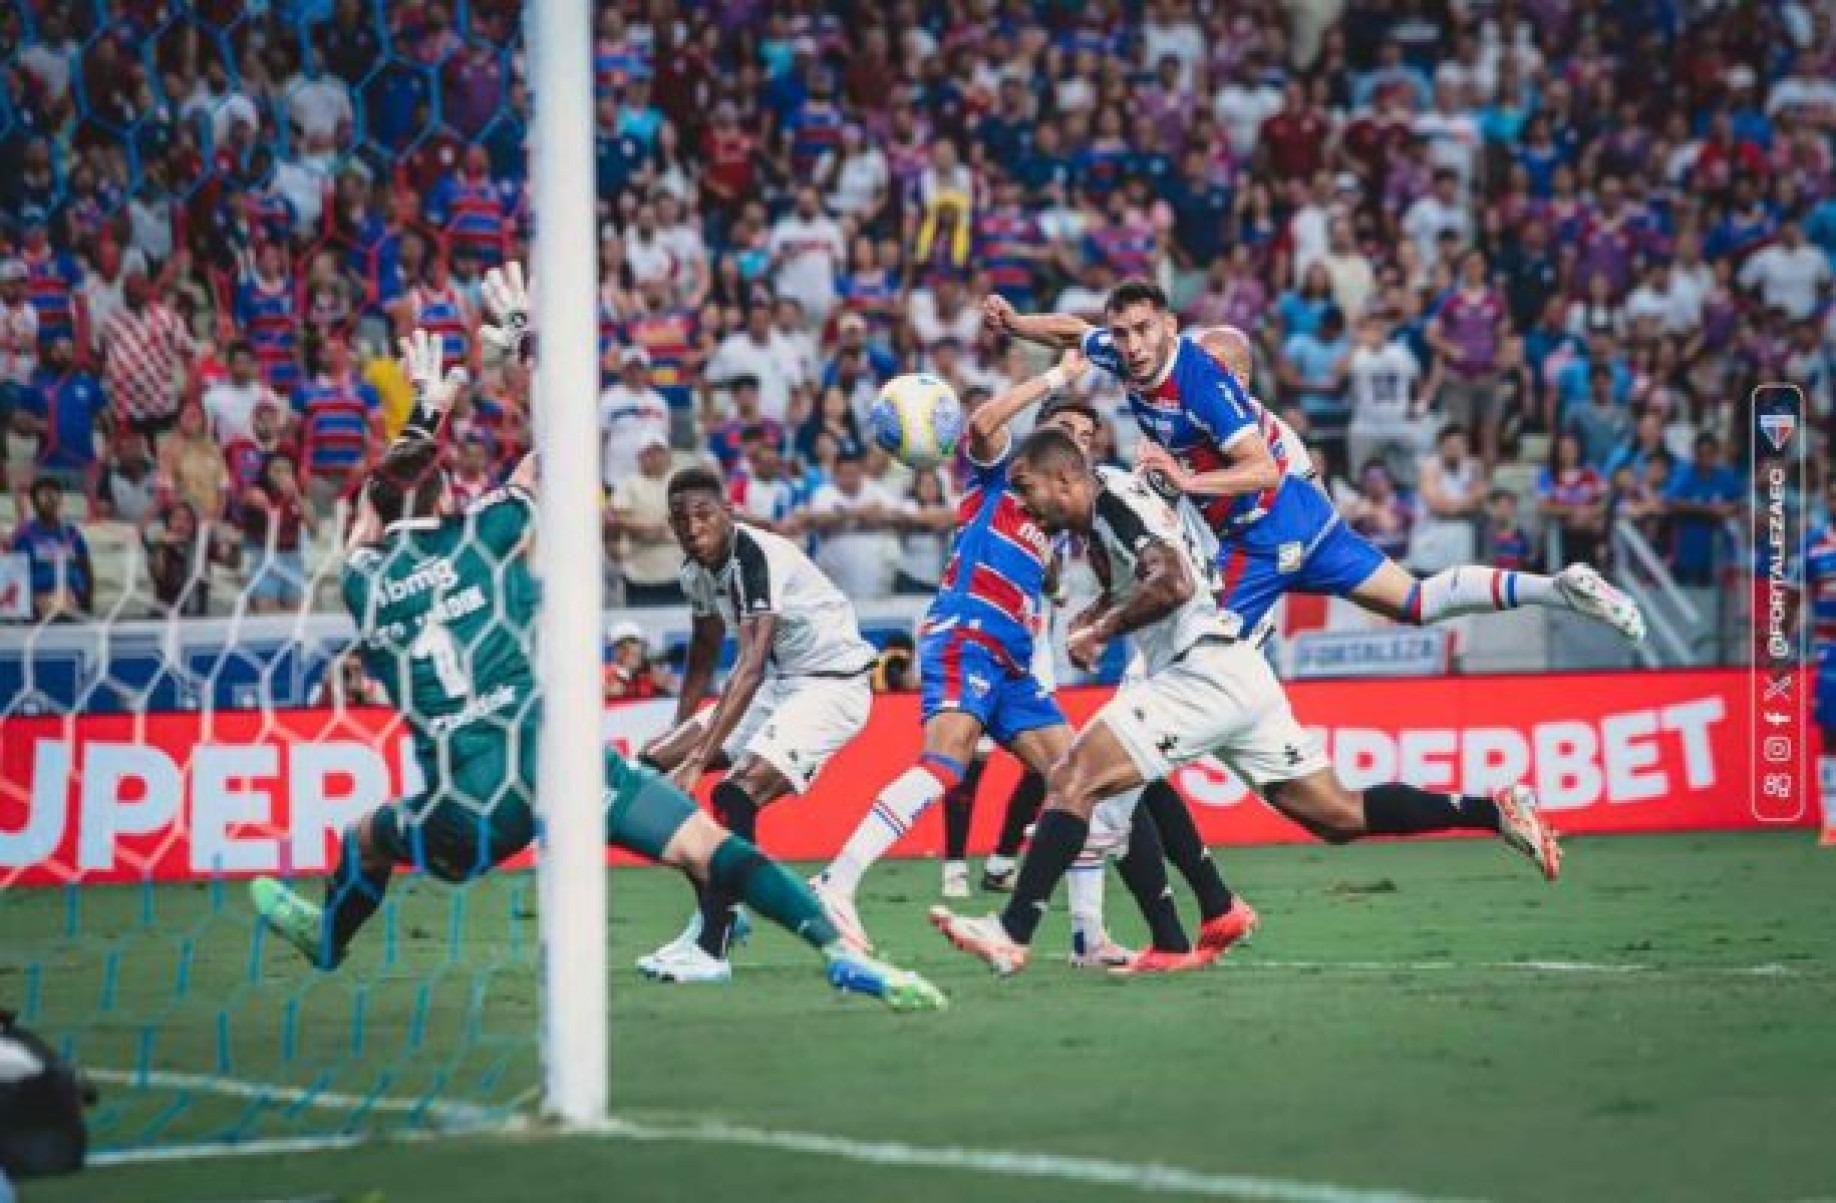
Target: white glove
[[506, 299], [434, 393]]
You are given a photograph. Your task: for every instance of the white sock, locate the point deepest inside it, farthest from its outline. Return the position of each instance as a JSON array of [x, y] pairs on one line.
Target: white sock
[[1084, 894], [893, 813], [1473, 590]]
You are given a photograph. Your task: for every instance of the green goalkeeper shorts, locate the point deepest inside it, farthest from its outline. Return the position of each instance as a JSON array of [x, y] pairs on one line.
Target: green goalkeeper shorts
[[484, 813]]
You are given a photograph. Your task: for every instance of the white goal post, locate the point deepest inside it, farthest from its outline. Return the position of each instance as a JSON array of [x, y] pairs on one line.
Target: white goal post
[[565, 272]]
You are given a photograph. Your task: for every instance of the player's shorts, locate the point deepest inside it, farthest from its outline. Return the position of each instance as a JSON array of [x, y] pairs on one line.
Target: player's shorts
[[961, 675], [1220, 698], [796, 724], [1301, 545], [480, 814]]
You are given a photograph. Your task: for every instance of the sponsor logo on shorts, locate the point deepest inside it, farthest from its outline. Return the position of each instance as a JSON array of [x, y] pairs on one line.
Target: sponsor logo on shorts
[[1288, 557], [978, 685]]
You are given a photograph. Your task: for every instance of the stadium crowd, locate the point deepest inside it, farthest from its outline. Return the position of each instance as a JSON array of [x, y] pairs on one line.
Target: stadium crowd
[[1512, 267]]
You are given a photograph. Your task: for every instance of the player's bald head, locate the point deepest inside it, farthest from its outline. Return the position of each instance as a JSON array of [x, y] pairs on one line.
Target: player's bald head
[[1231, 348], [1051, 449]]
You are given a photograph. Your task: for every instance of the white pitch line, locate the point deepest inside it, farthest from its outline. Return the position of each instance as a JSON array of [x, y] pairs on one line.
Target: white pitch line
[[1147, 1177], [1597, 967]]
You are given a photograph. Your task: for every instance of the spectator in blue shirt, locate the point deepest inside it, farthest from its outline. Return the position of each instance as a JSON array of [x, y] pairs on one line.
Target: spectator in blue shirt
[[57, 554], [61, 408], [1313, 366], [1703, 495]]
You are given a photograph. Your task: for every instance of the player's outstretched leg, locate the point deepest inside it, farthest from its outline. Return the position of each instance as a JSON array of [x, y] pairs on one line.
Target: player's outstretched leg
[[1338, 815], [1472, 589], [892, 814], [353, 893], [1022, 808], [1143, 868], [1226, 918], [648, 815]]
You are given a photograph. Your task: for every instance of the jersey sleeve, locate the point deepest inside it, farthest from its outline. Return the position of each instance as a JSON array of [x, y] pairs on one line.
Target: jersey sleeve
[[757, 586], [1100, 349], [359, 575], [502, 518], [1215, 400]]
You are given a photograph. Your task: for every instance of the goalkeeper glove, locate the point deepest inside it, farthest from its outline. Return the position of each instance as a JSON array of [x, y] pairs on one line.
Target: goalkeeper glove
[[506, 298], [434, 394]]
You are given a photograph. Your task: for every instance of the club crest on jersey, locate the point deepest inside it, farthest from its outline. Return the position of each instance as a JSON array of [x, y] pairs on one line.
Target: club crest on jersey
[[978, 684], [1288, 557]]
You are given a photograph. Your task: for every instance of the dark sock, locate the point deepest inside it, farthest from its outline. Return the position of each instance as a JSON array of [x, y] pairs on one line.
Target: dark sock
[[1185, 849], [1057, 839], [1397, 809], [959, 808], [352, 895], [1144, 870], [740, 816], [739, 870], [1022, 806]]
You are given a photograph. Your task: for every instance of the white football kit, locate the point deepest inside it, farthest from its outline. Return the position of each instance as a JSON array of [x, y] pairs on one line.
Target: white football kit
[[1203, 691], [818, 690]]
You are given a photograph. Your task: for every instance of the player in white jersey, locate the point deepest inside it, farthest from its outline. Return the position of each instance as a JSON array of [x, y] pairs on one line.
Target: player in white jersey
[[799, 691], [1206, 691]]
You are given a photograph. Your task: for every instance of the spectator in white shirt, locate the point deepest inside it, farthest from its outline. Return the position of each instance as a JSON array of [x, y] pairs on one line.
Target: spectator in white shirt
[[646, 253], [18, 330], [1354, 281], [1241, 106], [1383, 386], [943, 311], [319, 103], [1440, 211], [1790, 274], [629, 410], [856, 176], [856, 519], [807, 253], [682, 239], [760, 352], [230, 403]]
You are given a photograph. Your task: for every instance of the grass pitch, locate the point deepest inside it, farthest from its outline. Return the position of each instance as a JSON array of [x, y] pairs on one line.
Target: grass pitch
[[1426, 1019]]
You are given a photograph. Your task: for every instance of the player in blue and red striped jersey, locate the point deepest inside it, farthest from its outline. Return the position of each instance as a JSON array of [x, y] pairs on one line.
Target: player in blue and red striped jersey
[[1276, 531], [975, 662], [1820, 595], [267, 311]]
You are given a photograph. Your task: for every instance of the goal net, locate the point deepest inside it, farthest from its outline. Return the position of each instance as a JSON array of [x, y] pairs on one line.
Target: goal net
[[182, 705]]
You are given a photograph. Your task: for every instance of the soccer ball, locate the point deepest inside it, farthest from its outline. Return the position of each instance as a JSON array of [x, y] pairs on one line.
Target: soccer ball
[[918, 420]]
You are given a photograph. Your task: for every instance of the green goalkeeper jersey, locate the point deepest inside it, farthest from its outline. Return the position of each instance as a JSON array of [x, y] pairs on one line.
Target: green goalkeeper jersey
[[445, 613]]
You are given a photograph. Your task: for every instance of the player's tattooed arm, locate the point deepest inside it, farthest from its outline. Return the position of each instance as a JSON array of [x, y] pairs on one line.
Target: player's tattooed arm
[[988, 426], [1060, 330], [1249, 468], [1165, 585], [705, 637]]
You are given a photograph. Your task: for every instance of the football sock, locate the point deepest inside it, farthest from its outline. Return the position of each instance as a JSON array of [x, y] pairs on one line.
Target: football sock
[[1057, 839], [740, 815], [1022, 807], [352, 894], [1397, 809], [959, 808], [739, 870], [1473, 590], [1144, 870], [1185, 849], [892, 815], [1084, 898]]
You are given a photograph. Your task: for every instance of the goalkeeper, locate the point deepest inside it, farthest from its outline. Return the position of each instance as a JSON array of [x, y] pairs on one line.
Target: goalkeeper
[[444, 603]]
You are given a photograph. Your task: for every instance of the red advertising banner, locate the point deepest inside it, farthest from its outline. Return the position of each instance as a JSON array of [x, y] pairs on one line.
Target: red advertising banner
[[185, 796]]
